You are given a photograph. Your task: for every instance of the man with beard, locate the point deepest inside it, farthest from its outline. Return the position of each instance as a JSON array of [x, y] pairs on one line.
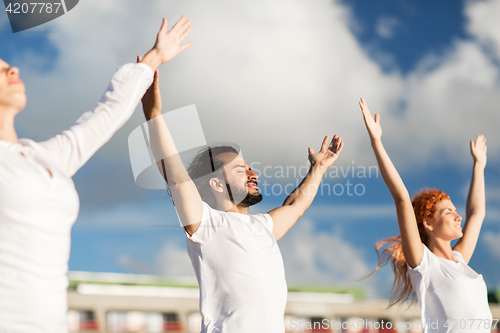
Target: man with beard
[[237, 261]]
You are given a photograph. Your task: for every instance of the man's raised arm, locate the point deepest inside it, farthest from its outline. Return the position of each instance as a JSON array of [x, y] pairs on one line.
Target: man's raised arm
[[186, 198], [301, 198]]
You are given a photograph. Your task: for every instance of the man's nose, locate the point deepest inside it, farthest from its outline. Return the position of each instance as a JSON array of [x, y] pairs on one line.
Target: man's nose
[[252, 175]]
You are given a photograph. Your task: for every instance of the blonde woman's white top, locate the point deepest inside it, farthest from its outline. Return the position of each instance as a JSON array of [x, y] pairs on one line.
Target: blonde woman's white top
[[39, 204], [452, 296]]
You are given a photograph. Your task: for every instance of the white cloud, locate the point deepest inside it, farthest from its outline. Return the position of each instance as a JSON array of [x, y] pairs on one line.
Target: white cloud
[[483, 23], [274, 78], [171, 261], [326, 258], [312, 257], [281, 74]]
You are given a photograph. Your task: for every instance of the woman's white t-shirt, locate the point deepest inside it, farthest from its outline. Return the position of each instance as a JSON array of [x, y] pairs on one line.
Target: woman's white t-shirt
[[39, 204], [453, 297], [240, 271]]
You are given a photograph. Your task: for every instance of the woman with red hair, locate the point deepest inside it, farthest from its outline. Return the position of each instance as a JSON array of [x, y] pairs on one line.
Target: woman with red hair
[[452, 296]]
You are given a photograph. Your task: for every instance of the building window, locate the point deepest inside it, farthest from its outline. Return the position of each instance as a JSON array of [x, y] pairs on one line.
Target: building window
[[81, 320]]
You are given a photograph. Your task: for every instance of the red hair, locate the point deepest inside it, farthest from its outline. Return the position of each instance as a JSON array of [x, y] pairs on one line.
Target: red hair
[[424, 206]]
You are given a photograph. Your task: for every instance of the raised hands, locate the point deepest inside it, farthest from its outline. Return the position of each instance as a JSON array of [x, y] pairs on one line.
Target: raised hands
[[327, 154], [478, 150], [372, 125], [151, 101], [168, 44]]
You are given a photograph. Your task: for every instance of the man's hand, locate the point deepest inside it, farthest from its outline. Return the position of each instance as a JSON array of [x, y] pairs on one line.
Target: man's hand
[[151, 101], [168, 44], [327, 155]]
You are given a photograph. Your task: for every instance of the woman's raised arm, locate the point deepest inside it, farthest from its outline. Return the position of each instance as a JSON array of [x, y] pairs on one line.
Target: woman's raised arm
[[476, 201], [73, 147], [413, 248]]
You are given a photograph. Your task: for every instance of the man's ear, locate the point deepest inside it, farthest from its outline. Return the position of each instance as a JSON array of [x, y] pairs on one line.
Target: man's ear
[[427, 225], [216, 184]]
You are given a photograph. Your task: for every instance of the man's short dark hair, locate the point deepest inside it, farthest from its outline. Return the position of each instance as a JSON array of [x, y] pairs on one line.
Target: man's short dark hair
[[205, 166]]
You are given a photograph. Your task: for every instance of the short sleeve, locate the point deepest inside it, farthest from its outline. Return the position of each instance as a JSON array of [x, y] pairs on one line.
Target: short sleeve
[[428, 259], [268, 222], [458, 257], [211, 220]]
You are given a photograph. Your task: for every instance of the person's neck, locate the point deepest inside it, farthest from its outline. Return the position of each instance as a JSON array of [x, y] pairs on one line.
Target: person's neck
[[7, 130], [441, 248], [231, 207]]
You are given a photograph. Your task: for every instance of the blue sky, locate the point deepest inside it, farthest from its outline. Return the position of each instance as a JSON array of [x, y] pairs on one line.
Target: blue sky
[[407, 30], [285, 74]]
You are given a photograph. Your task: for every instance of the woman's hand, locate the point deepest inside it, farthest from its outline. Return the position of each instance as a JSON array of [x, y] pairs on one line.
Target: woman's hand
[[478, 150], [168, 44], [372, 125]]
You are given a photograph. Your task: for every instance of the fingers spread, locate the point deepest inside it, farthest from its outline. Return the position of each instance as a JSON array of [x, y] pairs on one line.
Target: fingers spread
[[339, 149], [364, 108], [177, 26], [185, 34], [363, 104], [324, 144], [338, 144], [185, 46], [164, 26], [186, 25]]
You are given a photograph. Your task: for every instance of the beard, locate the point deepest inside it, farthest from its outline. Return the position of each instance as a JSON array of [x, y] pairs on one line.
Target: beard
[[251, 199], [241, 197]]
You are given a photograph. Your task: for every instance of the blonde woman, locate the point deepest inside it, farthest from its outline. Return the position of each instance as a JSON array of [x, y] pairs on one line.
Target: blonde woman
[[38, 200], [452, 296]]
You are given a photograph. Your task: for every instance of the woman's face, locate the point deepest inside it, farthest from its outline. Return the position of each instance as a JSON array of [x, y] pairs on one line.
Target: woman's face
[[12, 91], [446, 223]]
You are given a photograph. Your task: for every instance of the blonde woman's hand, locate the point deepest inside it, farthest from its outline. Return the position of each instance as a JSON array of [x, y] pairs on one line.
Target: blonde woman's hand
[[168, 44]]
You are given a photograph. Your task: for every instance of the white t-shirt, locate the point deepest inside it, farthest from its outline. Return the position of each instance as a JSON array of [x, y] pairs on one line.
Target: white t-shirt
[[240, 272], [452, 296], [37, 210]]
